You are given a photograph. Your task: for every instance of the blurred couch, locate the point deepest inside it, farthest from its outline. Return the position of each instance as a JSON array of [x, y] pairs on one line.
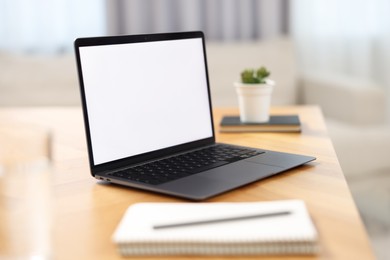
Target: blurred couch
[[34, 80], [354, 109]]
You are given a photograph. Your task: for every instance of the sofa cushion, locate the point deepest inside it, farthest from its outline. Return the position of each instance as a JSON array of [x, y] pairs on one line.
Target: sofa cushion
[[362, 150], [344, 98], [38, 80]]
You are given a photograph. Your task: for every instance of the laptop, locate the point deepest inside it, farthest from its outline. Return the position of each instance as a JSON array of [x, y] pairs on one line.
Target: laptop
[[149, 123]]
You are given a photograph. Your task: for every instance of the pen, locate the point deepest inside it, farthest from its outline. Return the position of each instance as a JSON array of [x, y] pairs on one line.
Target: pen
[[218, 220]]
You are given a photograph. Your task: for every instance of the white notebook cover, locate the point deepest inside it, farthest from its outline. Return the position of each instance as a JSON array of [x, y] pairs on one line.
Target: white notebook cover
[[286, 234]]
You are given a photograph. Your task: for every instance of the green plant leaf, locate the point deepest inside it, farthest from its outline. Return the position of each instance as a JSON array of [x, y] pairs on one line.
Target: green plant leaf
[[249, 76], [262, 73]]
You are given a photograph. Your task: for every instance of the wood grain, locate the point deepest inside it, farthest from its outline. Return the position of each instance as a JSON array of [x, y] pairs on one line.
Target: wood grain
[[85, 212]]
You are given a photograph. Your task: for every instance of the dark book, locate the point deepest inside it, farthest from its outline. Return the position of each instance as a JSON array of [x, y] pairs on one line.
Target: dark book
[[282, 123]]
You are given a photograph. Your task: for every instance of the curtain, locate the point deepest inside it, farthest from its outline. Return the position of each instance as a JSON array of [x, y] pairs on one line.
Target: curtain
[[48, 26], [349, 37], [221, 20]]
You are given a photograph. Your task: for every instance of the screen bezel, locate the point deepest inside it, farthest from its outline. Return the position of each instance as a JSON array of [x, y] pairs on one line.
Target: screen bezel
[[126, 39]]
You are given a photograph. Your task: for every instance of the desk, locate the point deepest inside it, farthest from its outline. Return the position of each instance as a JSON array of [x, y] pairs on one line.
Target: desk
[[86, 212]]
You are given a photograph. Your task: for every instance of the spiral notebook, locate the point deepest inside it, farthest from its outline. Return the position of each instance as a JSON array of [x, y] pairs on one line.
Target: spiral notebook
[[244, 228]]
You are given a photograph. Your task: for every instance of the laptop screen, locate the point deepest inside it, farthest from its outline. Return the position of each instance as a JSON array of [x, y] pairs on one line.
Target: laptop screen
[[144, 96]]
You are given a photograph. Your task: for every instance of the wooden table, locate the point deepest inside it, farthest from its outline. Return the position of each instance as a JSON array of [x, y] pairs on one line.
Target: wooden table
[[86, 212]]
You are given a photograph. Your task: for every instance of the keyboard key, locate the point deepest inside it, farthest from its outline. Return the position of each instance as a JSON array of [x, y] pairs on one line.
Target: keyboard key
[[172, 168]]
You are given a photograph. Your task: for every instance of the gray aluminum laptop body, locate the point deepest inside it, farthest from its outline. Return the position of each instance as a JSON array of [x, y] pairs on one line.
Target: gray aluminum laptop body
[[147, 97]]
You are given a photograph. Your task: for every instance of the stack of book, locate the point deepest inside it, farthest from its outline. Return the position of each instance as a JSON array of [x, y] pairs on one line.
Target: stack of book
[[277, 123]]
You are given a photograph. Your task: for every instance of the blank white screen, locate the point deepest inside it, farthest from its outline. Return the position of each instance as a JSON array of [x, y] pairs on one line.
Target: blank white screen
[[142, 97]]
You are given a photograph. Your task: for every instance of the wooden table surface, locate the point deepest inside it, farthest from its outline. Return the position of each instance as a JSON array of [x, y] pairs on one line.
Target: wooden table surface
[[85, 212]]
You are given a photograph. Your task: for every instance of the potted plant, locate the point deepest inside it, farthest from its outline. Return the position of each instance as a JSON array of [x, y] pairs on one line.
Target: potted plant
[[254, 95]]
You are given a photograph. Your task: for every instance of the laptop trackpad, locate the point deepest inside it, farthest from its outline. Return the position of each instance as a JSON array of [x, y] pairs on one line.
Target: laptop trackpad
[[221, 179], [242, 172], [278, 159]]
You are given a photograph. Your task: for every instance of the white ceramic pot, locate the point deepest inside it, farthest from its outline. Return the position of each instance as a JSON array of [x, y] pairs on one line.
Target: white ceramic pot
[[254, 101]]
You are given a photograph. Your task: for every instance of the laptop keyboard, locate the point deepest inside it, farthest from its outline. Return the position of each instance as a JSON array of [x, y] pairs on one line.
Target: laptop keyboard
[[172, 168]]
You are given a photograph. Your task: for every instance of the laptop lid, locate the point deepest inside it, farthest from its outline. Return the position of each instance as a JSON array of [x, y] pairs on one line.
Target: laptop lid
[[143, 96]]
